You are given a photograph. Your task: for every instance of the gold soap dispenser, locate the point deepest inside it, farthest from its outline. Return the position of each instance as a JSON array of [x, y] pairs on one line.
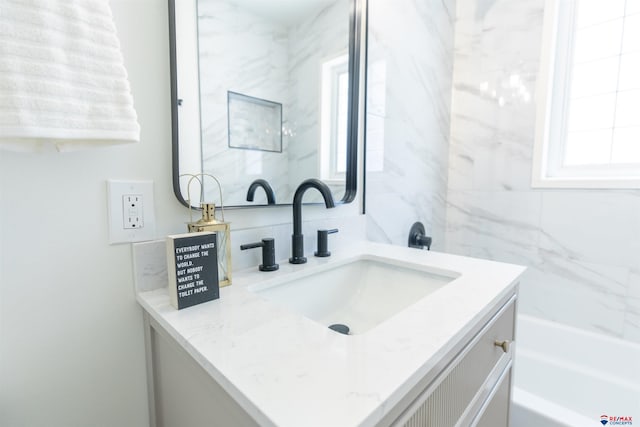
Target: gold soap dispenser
[[209, 222]]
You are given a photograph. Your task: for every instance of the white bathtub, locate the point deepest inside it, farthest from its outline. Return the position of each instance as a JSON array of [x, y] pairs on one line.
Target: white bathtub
[[569, 377]]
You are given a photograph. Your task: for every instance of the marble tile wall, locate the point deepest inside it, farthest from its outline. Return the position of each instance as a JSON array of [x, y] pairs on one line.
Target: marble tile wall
[[255, 52], [410, 60], [315, 39], [582, 247]]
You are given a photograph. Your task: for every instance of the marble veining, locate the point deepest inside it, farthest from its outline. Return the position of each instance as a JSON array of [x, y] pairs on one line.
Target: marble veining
[[410, 60], [149, 261], [582, 247]]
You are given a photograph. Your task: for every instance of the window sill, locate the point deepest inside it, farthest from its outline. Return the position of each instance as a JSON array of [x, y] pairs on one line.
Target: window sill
[[586, 182]]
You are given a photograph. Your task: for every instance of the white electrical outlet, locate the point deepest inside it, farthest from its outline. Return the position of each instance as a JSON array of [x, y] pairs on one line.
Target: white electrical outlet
[[131, 211]]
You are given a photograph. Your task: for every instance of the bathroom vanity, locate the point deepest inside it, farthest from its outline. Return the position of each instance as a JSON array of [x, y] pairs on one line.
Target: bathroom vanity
[[431, 344]]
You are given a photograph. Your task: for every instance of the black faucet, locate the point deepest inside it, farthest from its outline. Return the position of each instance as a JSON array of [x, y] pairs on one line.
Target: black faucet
[[271, 197], [297, 239]]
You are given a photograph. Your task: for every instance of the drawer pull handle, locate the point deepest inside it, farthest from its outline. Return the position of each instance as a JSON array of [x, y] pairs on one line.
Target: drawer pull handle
[[503, 344]]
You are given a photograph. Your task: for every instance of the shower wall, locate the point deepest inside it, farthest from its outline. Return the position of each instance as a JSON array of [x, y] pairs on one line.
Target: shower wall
[[409, 77], [581, 247]]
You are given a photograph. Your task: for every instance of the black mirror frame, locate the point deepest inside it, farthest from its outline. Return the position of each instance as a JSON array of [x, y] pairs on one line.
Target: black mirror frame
[[355, 51]]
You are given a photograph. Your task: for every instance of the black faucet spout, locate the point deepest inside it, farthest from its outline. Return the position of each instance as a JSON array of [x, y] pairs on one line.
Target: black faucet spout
[[271, 197], [297, 239]]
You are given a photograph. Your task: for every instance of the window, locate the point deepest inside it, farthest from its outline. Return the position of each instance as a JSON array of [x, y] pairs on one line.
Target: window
[[335, 101], [588, 122]]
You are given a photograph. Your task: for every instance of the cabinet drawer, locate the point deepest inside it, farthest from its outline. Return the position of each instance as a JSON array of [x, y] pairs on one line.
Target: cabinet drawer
[[446, 400], [496, 412], [484, 354]]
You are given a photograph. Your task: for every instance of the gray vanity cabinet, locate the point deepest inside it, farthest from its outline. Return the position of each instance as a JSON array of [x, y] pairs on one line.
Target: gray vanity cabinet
[[181, 392], [470, 386], [473, 388]]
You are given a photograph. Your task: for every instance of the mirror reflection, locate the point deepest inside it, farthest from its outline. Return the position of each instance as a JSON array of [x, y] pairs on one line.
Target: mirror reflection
[[262, 92]]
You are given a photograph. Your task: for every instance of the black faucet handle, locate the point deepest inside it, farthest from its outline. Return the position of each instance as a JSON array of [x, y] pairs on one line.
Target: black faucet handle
[[323, 244], [268, 246], [418, 238]]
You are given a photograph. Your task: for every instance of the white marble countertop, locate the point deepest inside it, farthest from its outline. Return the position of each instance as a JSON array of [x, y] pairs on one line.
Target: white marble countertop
[[287, 370]]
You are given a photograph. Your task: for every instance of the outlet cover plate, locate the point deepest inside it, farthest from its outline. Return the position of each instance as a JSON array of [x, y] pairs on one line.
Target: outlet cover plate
[[117, 191]]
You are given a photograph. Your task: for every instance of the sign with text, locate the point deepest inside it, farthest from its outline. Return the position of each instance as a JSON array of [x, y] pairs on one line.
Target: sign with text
[[192, 264]]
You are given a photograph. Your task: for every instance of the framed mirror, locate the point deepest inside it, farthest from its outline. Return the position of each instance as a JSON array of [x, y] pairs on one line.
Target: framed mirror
[[265, 95]]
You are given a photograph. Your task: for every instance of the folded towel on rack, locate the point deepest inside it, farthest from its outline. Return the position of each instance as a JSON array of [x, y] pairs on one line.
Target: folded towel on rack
[[62, 76]]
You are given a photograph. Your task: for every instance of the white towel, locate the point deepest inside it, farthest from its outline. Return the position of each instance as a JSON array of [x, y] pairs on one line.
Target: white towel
[[62, 77]]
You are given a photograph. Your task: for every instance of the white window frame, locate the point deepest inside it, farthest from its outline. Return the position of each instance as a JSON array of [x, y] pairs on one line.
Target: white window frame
[[553, 79], [331, 71]]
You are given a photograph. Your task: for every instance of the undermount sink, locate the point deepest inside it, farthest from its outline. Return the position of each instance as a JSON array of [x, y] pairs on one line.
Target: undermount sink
[[360, 294]]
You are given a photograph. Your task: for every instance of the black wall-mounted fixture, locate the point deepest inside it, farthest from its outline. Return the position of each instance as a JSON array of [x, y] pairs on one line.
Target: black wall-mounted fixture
[[417, 237]]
